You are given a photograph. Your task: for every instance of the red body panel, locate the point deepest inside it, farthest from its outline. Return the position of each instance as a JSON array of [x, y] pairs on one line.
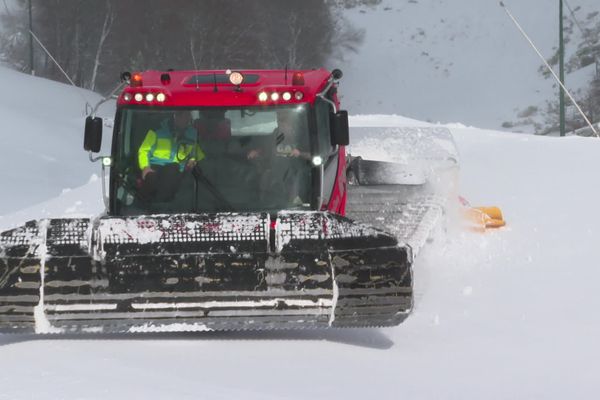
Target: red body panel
[[337, 201]]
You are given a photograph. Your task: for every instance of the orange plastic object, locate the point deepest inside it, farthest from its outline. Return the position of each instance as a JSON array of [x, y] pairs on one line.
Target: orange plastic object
[[485, 217]]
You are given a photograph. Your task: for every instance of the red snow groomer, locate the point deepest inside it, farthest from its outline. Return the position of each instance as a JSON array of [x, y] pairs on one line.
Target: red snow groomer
[[231, 204]]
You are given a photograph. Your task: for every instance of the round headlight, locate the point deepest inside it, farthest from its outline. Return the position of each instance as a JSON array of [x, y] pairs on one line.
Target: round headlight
[[127, 97], [317, 161], [299, 95], [274, 96], [149, 97], [138, 97], [287, 96], [161, 97], [263, 96], [236, 78]]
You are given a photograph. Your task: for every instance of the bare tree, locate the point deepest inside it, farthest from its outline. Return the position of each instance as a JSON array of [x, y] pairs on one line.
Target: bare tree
[[108, 21], [160, 34]]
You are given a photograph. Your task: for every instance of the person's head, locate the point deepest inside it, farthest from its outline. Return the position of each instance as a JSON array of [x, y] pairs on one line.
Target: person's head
[[182, 119]]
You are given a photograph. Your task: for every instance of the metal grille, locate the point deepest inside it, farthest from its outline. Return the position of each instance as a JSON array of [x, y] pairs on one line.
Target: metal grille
[[411, 218], [342, 228], [68, 232], [22, 236], [319, 225], [186, 228], [300, 226]]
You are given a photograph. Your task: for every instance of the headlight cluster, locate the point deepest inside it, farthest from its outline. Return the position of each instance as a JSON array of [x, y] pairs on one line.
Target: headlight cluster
[[149, 97], [276, 96]]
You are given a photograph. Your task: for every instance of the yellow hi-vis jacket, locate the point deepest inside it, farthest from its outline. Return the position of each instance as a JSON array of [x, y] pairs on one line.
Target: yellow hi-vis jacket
[[161, 148]]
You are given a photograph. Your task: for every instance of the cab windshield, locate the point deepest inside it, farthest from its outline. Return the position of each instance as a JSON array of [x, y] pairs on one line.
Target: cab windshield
[[206, 160]]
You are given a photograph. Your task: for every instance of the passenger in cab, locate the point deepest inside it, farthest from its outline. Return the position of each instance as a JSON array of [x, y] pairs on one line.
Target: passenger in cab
[[285, 156], [285, 140]]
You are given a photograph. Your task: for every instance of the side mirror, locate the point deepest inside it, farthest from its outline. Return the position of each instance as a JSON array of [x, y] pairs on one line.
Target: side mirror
[[125, 76], [340, 131], [337, 74], [92, 140]]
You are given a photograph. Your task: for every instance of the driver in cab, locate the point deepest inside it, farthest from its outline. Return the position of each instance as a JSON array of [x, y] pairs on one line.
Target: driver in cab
[[165, 154]]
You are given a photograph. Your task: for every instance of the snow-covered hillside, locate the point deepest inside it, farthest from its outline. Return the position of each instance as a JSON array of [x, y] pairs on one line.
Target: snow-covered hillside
[[42, 140], [500, 315], [456, 61]]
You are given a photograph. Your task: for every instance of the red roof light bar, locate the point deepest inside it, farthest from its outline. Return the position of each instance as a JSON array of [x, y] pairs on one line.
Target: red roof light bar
[[197, 88]]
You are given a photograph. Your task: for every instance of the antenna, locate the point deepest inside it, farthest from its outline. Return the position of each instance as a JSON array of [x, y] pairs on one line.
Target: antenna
[[194, 61], [550, 69]]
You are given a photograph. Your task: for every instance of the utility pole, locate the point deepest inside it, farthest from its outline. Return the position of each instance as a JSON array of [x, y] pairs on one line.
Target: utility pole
[[551, 70], [31, 66], [561, 56]]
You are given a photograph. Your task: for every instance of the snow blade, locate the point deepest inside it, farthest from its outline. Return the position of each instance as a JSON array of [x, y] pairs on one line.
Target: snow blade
[[201, 272]]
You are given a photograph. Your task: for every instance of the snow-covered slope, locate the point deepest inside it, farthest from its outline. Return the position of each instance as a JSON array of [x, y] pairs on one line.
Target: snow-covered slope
[[456, 60], [42, 139], [505, 314]]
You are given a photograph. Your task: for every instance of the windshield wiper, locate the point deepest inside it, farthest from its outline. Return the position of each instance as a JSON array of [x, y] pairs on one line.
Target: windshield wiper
[[199, 176]]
